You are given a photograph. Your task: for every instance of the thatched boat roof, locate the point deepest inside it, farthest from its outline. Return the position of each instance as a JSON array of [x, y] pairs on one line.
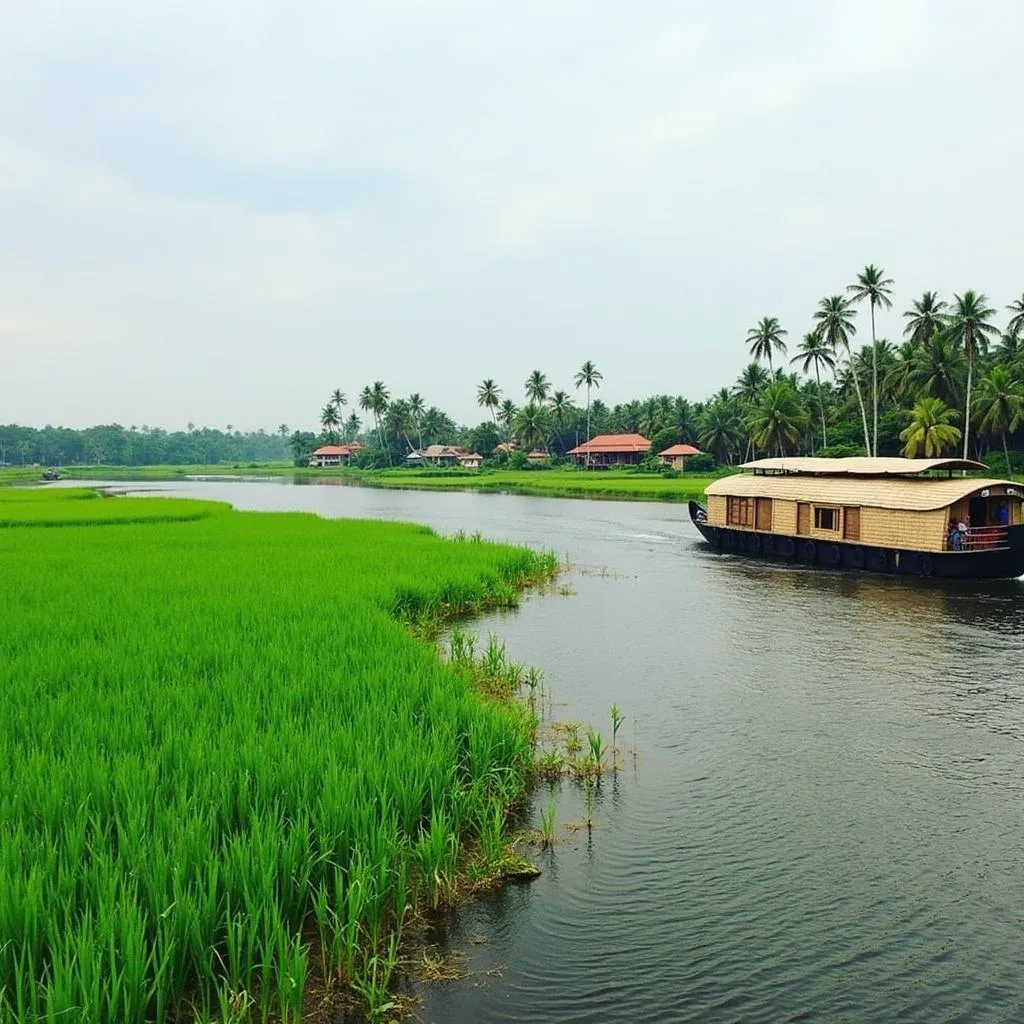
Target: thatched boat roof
[[918, 494], [861, 466]]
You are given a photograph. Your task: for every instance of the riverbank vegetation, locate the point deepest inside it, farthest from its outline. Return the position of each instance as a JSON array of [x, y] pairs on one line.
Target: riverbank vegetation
[[229, 772]]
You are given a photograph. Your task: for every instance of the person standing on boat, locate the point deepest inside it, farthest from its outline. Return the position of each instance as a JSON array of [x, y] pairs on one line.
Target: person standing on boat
[[964, 528]]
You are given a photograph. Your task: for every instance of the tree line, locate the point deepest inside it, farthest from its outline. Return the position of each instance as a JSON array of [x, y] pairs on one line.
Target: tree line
[[115, 445], [954, 382]]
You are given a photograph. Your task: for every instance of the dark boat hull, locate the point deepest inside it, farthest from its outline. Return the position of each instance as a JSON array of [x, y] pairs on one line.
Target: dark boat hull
[[1005, 563]]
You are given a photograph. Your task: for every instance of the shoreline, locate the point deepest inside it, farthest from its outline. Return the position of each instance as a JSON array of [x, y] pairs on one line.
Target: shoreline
[[601, 485]]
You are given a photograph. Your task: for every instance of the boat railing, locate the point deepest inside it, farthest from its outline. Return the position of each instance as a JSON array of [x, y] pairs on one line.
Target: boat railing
[[979, 538]]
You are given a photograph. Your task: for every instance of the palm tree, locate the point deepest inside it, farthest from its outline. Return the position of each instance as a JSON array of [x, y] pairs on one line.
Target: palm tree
[[1016, 322], [835, 319], [778, 418], [380, 396], [936, 369], [652, 415], [531, 426], [366, 399], [416, 411], [970, 326], [507, 415], [352, 425], [561, 410], [721, 432], [683, 420], [931, 430], [767, 335], [537, 388], [329, 420], [1000, 406], [590, 376], [927, 317], [435, 424], [1011, 347], [338, 399], [814, 351], [750, 382], [488, 395], [399, 420], [873, 285]]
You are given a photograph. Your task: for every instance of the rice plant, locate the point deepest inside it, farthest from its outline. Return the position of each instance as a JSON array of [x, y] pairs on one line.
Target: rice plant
[[219, 741], [547, 823], [617, 719]]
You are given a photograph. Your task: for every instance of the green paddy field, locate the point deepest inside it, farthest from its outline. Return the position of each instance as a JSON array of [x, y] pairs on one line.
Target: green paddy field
[[230, 772]]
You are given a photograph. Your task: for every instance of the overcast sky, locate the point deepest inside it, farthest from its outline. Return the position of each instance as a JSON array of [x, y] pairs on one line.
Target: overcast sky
[[220, 211]]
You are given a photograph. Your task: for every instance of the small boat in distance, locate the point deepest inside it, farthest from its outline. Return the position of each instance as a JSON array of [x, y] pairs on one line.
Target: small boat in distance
[[908, 516]]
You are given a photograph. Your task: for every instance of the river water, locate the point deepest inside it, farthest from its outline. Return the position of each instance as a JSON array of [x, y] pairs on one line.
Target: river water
[[824, 816]]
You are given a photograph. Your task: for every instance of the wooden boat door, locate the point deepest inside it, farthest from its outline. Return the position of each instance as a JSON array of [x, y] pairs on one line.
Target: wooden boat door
[[763, 514], [803, 518], [851, 522]]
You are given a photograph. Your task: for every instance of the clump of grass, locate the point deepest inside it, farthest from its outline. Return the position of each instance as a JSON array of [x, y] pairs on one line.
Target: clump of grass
[[547, 823]]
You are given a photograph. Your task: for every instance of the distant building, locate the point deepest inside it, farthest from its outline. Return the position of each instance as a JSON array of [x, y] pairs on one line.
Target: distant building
[[444, 455], [611, 450], [538, 456], [334, 454], [676, 455], [506, 447]]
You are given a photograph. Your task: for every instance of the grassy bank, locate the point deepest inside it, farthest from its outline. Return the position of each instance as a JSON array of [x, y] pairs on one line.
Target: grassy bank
[[553, 483], [227, 768]]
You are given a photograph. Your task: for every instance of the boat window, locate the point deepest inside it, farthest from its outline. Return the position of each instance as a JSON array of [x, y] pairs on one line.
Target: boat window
[[826, 518], [739, 511]]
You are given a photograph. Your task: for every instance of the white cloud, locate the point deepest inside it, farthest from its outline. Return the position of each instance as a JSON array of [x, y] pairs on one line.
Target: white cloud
[[227, 207]]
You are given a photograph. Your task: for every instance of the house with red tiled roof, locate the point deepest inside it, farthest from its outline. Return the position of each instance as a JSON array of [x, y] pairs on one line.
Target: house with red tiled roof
[[611, 450], [334, 454], [676, 455]]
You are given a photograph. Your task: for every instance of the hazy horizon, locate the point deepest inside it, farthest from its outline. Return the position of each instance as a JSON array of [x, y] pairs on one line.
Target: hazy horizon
[[219, 215]]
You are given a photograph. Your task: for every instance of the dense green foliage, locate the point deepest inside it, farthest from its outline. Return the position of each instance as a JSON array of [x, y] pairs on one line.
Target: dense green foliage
[[219, 742], [953, 352], [120, 446]]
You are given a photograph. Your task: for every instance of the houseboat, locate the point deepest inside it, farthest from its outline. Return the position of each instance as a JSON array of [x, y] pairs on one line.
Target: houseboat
[[920, 517]]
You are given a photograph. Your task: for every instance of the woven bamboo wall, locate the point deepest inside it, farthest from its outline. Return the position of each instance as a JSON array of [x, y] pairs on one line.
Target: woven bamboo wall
[[784, 517], [921, 531], [716, 509]]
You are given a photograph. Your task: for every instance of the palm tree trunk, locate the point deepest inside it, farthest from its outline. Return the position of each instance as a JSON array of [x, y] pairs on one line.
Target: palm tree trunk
[[874, 380], [588, 425], [1006, 452], [821, 406], [967, 410], [860, 401]]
